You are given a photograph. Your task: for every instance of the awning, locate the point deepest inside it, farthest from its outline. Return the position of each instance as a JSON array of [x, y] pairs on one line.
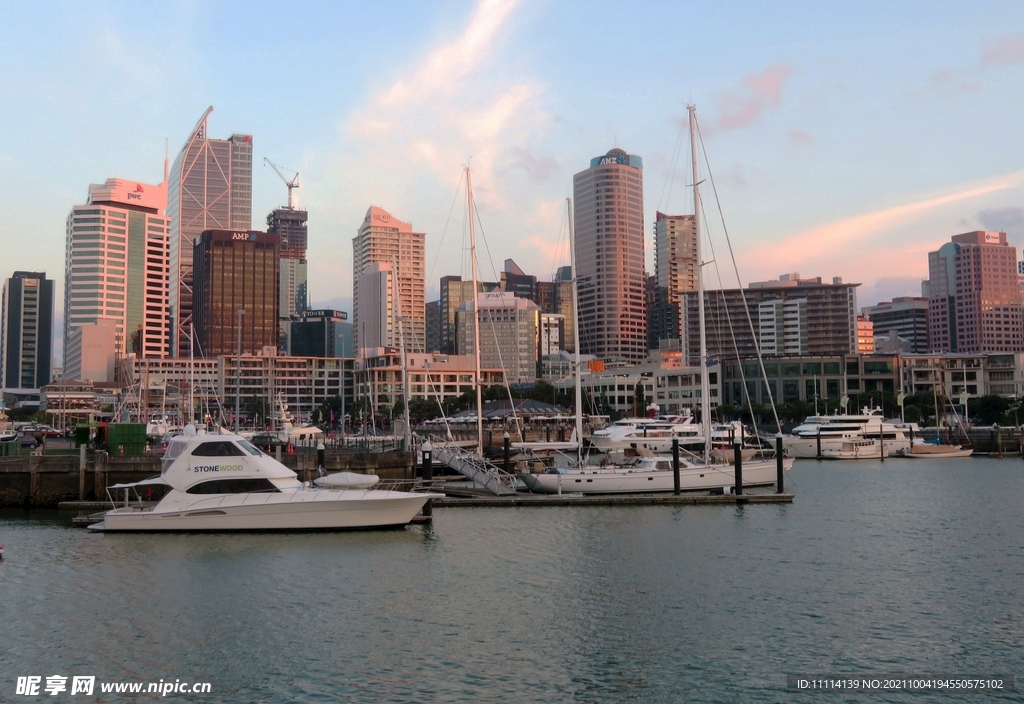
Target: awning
[[145, 482]]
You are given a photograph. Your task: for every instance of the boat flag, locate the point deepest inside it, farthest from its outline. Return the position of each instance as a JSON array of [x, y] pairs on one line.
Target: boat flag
[[963, 398], [844, 402], [332, 415], [899, 399]]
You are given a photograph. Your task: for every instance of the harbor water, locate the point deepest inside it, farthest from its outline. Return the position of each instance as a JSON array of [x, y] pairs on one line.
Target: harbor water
[[907, 567]]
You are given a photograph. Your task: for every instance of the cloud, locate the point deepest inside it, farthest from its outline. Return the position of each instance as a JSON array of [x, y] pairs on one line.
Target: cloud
[[1005, 50], [798, 138], [946, 79], [1008, 220], [736, 111], [864, 243], [444, 109], [887, 288], [540, 168]]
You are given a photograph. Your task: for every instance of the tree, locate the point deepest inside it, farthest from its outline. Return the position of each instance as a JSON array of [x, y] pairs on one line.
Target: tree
[[639, 400]]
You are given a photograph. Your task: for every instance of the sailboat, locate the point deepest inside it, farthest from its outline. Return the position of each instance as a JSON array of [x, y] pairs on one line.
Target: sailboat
[[925, 449], [650, 473]]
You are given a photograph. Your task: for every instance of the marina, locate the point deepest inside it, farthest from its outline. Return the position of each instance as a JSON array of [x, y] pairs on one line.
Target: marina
[[875, 566]]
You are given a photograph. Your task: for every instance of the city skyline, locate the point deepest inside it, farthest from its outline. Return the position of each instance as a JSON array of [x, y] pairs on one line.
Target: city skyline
[[828, 160]]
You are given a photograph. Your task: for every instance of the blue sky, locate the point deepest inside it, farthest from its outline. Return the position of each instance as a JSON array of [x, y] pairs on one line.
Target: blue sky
[[846, 139]]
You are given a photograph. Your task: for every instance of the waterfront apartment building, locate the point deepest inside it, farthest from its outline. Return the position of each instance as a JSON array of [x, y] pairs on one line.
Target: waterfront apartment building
[[235, 270], [384, 239], [90, 352], [608, 205], [906, 316], [674, 388], [509, 334], [26, 331], [432, 377], [791, 316], [675, 254], [116, 265], [950, 374], [824, 379], [209, 188], [975, 301], [378, 324]]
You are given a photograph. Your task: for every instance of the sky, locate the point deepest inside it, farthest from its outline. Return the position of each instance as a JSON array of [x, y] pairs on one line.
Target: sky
[[843, 139]]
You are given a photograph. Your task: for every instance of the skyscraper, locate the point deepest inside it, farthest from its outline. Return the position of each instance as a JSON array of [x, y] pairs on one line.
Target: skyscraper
[[235, 270], [210, 188], [26, 331], [675, 272], [383, 239], [117, 258], [290, 225], [975, 299], [609, 213]]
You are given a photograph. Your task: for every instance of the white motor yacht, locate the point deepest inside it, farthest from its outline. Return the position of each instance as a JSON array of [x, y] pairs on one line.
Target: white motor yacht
[[654, 434], [836, 430], [222, 482], [652, 474]]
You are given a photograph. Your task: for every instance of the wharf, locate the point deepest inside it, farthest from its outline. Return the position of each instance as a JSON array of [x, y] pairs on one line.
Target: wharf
[[531, 500]]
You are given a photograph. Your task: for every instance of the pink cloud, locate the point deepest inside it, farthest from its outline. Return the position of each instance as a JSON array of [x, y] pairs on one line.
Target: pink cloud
[[798, 138], [1006, 50], [763, 91]]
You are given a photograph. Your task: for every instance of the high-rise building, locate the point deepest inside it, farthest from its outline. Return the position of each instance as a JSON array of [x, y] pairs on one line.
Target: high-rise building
[[907, 316], [455, 292], [515, 280], [117, 259], [609, 217], [378, 320], [209, 188], [383, 239], [291, 226], [675, 254], [792, 316], [235, 270], [433, 324], [865, 335], [26, 331], [321, 333], [509, 334], [975, 302]]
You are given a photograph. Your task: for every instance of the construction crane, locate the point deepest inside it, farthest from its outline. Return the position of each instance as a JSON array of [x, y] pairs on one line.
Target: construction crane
[[294, 183]]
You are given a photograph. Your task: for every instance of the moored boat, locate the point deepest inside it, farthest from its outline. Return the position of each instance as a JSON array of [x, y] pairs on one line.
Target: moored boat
[[224, 483]]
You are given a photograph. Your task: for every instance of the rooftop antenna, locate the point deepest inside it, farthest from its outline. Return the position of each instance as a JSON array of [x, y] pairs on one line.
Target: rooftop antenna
[[294, 183]]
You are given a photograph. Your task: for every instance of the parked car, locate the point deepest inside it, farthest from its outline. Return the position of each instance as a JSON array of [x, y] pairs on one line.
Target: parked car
[[48, 431], [28, 441]]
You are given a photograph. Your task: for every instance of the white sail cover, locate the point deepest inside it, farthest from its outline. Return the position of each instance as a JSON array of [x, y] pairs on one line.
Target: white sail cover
[[347, 480]]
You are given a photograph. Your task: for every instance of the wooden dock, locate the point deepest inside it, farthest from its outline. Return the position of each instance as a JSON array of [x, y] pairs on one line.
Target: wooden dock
[[531, 500]]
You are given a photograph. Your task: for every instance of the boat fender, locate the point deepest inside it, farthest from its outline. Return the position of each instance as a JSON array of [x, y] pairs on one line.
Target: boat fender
[[716, 491]]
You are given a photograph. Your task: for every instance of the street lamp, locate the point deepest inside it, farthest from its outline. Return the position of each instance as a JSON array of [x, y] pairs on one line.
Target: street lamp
[[238, 369]]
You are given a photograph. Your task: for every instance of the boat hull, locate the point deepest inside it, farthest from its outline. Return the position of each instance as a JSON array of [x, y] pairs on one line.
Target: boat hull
[[605, 481], [807, 448], [372, 509], [942, 453]]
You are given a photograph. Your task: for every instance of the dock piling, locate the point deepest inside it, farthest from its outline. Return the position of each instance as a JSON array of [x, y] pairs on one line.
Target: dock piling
[[780, 481], [737, 457], [675, 466], [507, 445], [428, 472], [819, 442]]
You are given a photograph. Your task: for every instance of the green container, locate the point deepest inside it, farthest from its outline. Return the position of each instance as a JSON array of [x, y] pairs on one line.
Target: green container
[[82, 432], [126, 439]]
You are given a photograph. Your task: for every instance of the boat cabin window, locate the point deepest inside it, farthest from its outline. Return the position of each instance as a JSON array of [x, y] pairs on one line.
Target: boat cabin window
[[250, 448], [174, 449], [232, 486], [218, 449]]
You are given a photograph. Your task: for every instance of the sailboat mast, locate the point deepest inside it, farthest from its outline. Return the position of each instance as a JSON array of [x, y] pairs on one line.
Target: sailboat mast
[[476, 317], [406, 433], [576, 336], [705, 386]]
